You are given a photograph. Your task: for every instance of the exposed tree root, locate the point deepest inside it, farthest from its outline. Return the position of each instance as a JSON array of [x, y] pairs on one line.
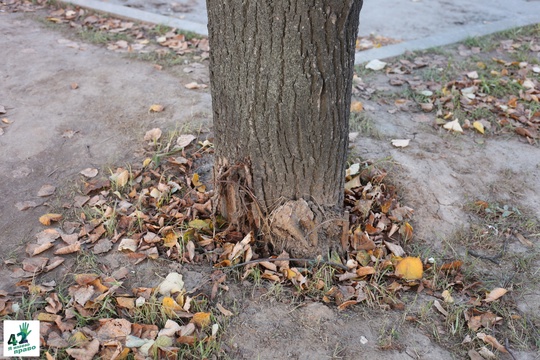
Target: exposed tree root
[[299, 227]]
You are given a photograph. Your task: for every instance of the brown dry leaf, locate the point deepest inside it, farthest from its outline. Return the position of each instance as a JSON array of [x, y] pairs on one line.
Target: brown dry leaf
[[488, 339], [69, 249], [195, 86], [524, 240], [524, 132], [406, 231], [439, 307], [46, 190], [86, 352], [48, 218], [223, 310], [365, 270], [34, 265], [201, 319], [54, 263], [122, 178], [54, 304], [410, 268], [474, 355], [125, 302], [170, 240], [454, 265], [495, 294], [102, 246], [25, 205], [156, 108], [85, 279], [395, 249], [113, 329], [89, 172], [346, 304], [35, 249], [48, 356]]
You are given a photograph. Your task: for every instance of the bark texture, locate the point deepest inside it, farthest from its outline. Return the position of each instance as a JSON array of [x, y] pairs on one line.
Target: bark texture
[[281, 74]]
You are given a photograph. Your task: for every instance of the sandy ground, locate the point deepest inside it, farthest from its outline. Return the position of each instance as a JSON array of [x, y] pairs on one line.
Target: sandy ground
[[107, 116]]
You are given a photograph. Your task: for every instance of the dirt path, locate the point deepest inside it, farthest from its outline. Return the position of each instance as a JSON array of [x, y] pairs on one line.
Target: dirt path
[[59, 129]]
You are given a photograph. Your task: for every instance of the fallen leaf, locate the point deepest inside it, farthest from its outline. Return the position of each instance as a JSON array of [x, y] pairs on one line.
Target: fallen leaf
[[346, 304], [68, 249], [472, 75], [25, 205], [454, 265], [89, 172], [478, 126], [447, 297], [524, 132], [454, 126], [365, 270], [35, 249], [356, 107], [173, 283], [488, 339], [156, 108], [410, 268], [153, 134], [195, 86], [375, 64], [46, 190], [223, 310], [184, 140], [395, 249], [474, 355], [439, 307], [113, 329], [523, 240], [128, 244], [86, 352], [48, 218], [201, 319], [401, 142], [34, 265], [495, 294], [7, 121]]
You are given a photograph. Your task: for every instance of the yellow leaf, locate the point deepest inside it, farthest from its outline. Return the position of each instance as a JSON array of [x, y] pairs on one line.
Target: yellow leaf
[[356, 106], [478, 126], [495, 294], [365, 270], [146, 162], [201, 319], [156, 108], [195, 180], [47, 317], [48, 218], [78, 338], [170, 240], [410, 268], [170, 306]]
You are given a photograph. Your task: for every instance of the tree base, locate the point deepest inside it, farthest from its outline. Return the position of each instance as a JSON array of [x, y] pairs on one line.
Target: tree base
[[302, 228]]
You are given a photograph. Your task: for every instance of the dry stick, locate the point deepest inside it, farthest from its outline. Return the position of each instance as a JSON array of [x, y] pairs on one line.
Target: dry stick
[[508, 349], [339, 266], [493, 259]]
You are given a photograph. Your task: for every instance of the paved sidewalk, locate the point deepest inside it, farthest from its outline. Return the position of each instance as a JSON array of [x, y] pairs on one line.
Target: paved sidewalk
[[420, 24]]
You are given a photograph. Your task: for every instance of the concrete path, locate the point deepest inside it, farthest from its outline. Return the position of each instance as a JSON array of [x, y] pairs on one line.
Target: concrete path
[[420, 24]]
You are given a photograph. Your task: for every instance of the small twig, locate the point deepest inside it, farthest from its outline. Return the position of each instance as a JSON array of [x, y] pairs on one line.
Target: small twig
[[493, 259], [506, 347], [339, 266]]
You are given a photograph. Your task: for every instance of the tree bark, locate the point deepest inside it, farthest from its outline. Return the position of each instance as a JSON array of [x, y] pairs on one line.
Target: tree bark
[[281, 75]]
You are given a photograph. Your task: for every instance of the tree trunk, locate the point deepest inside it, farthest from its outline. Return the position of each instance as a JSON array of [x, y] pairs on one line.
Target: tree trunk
[[281, 74]]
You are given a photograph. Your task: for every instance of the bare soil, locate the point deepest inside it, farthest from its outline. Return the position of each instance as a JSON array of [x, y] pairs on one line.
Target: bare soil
[[438, 175]]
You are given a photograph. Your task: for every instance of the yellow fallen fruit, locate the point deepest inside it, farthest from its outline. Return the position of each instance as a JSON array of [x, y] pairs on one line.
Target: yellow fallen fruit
[[410, 268]]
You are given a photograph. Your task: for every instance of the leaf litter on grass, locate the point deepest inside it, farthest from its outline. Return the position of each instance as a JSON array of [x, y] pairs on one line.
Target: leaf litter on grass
[[164, 209]]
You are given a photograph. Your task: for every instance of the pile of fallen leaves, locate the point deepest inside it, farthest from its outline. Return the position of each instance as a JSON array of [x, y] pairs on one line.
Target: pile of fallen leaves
[[492, 96], [162, 208], [134, 37]]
